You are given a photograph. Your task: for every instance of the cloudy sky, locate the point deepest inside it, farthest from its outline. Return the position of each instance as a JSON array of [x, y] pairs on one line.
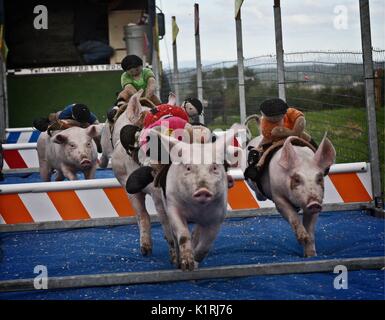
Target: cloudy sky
[[307, 25]]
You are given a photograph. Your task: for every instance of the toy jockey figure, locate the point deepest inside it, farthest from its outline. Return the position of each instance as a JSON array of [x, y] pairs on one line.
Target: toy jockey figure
[[278, 122]]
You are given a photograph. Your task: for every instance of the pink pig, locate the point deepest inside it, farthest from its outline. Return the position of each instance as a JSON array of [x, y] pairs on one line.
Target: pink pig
[[68, 152], [295, 180]]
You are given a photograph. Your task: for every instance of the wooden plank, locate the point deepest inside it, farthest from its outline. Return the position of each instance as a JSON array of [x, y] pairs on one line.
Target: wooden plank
[[129, 278]]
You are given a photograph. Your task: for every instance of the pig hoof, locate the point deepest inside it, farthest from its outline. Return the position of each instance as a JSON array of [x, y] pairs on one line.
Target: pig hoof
[[310, 254], [302, 236], [174, 258], [146, 250], [187, 264]]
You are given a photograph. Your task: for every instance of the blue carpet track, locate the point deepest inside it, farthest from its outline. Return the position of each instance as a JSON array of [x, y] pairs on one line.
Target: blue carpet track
[[265, 239]]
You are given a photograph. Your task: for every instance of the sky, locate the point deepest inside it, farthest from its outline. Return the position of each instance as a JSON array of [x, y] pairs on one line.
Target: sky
[[307, 25]]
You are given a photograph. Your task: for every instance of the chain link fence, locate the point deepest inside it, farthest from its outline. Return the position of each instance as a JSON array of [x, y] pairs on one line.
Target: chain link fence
[[327, 86]]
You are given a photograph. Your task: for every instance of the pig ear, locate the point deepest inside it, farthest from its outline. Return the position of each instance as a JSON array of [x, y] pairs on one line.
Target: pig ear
[[234, 156], [171, 99], [226, 150], [92, 131], [325, 155], [224, 140], [220, 146], [169, 143], [288, 156], [134, 107], [241, 131], [60, 138]]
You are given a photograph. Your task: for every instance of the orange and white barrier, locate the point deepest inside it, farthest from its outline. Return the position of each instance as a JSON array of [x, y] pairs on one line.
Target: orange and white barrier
[[102, 198], [65, 200]]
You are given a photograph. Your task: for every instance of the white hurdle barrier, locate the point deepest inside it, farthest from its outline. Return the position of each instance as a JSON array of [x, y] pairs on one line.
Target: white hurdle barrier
[[19, 157], [21, 135]]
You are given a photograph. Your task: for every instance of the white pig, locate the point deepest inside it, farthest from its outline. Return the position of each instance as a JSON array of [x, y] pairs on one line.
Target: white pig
[[196, 191], [123, 165], [68, 152], [294, 180]]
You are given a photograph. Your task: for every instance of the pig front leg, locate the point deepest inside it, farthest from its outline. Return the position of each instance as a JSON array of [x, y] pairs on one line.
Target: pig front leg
[[144, 223], [44, 168], [90, 173], [164, 221], [291, 215], [68, 172], [45, 171], [103, 161], [309, 221], [59, 176], [183, 238], [202, 239]]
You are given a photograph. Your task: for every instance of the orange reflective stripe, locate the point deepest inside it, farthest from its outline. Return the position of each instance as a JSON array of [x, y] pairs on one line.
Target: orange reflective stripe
[[13, 209], [119, 200], [239, 197], [350, 187], [68, 204]]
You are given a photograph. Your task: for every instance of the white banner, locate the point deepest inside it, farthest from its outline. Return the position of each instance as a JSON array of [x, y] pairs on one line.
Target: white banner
[[66, 69]]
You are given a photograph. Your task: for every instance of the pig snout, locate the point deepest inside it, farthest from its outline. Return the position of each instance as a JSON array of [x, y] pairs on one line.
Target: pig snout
[[314, 207], [203, 195], [86, 163]]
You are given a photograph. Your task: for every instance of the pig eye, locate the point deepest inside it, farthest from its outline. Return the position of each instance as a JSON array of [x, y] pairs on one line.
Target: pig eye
[[215, 168], [89, 144], [72, 145], [295, 181], [188, 168], [319, 178]]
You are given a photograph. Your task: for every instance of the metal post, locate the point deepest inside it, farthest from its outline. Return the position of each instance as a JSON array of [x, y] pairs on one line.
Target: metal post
[[155, 57], [370, 103], [241, 75], [156, 70], [223, 89], [198, 58], [175, 62], [3, 102], [279, 50], [150, 30]]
